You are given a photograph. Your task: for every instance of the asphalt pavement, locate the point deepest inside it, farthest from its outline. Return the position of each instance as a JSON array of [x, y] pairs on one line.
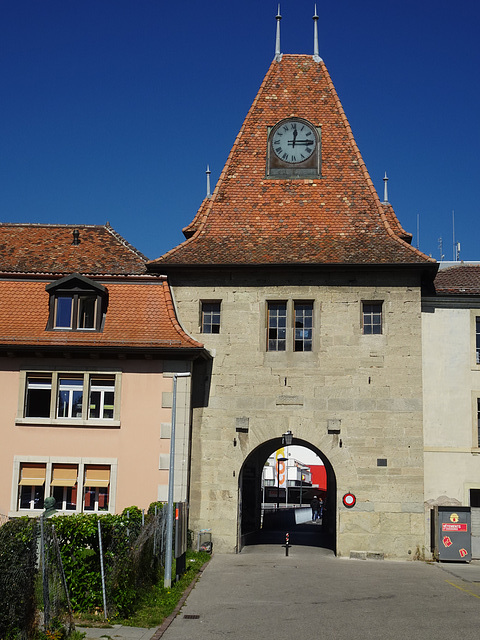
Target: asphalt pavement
[[311, 594]]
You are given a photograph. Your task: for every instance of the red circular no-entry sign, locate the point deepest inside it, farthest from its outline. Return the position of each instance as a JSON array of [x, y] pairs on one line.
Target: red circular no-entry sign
[[349, 500]]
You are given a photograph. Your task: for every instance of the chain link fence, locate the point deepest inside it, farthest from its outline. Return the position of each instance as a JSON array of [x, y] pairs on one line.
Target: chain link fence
[[51, 568]]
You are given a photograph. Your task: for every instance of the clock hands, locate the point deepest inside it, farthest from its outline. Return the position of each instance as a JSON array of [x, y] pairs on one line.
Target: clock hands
[[304, 142], [295, 133]]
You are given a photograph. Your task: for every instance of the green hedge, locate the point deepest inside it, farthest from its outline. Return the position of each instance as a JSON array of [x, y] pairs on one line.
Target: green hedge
[[18, 571]]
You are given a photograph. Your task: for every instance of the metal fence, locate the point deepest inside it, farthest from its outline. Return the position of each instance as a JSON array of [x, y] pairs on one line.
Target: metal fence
[[42, 565]]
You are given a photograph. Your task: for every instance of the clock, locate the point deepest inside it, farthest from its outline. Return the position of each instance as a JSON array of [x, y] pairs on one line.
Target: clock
[[294, 141]]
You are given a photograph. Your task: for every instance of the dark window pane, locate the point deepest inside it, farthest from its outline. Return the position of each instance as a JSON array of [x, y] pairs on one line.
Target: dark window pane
[[475, 497], [372, 318], [89, 500], [63, 315], [303, 326], [86, 312], [277, 322], [39, 392]]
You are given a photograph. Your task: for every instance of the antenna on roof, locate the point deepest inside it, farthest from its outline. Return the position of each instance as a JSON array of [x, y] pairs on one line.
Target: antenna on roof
[[385, 189], [278, 55], [316, 55], [208, 172], [440, 246]]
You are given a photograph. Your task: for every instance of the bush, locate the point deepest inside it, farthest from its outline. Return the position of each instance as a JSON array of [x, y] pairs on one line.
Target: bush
[[129, 564], [18, 555]]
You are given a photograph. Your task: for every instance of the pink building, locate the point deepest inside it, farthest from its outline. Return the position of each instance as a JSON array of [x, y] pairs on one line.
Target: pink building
[[89, 343]]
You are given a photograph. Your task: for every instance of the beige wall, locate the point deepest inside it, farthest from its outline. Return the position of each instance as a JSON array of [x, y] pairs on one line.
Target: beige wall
[[372, 384], [451, 387], [135, 448]]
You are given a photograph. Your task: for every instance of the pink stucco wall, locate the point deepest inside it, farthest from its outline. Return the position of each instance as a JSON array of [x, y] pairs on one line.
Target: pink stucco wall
[[136, 444]]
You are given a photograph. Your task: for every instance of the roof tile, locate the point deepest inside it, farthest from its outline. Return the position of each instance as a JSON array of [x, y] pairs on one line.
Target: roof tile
[[41, 248], [252, 219]]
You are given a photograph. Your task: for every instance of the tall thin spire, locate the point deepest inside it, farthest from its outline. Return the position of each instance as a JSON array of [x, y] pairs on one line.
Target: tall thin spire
[[385, 189], [278, 54], [208, 172], [316, 55]]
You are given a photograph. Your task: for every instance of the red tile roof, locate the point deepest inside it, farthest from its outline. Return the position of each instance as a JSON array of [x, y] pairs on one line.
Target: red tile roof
[[44, 248], [458, 280], [337, 218], [139, 314]]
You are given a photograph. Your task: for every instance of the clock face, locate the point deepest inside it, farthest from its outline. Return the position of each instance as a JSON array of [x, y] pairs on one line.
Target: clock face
[[294, 141]]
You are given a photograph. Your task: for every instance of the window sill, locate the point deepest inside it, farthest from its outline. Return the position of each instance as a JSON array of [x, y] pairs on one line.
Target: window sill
[[67, 422]]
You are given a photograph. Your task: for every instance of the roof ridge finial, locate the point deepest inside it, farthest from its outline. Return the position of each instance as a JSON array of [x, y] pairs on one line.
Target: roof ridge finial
[[278, 54], [316, 55], [385, 189], [208, 172]]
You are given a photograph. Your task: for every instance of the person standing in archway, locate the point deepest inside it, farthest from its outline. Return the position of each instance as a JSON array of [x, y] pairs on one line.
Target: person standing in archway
[[315, 504]]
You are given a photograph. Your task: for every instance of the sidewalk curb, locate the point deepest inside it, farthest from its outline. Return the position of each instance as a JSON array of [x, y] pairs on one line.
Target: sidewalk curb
[[168, 621]]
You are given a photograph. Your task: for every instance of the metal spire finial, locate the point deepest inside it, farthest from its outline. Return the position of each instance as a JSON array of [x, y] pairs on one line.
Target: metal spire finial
[[208, 172], [278, 54], [385, 189], [316, 55]]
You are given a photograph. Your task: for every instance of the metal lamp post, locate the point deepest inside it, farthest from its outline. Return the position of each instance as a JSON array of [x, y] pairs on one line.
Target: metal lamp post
[[167, 583]]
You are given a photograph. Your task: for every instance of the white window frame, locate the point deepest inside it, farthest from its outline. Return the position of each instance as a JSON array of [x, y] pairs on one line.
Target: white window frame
[[66, 385], [77, 301], [50, 462], [101, 389], [95, 499], [56, 376]]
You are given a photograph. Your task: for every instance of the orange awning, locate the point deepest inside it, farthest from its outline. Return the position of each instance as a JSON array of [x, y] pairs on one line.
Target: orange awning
[[97, 477], [64, 476], [33, 475]]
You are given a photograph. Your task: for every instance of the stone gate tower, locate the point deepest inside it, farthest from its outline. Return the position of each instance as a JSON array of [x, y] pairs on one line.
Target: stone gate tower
[[306, 289]]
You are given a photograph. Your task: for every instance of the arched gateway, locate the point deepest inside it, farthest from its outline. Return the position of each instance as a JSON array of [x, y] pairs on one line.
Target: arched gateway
[[251, 515], [306, 290]]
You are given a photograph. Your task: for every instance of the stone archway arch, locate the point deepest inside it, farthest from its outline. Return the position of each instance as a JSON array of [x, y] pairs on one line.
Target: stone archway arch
[[250, 494]]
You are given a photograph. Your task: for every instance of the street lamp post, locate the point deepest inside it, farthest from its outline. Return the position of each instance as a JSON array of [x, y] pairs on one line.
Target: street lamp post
[[167, 583]]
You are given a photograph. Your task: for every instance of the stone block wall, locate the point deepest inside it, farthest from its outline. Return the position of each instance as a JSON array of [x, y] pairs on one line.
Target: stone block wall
[[369, 386]]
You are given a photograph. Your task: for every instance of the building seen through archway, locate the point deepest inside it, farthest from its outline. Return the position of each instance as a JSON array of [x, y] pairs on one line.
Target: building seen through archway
[[276, 495]]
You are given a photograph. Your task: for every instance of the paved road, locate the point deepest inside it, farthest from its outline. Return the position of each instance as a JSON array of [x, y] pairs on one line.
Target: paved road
[[310, 594]]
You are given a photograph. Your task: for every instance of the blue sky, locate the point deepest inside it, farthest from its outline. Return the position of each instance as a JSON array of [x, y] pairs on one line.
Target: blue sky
[[110, 110]]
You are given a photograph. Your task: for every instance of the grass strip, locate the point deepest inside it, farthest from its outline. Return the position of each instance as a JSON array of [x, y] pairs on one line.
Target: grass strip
[[159, 603]]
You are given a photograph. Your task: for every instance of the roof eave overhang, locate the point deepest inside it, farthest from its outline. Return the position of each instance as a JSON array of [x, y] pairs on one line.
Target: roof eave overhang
[[114, 351], [451, 301], [427, 267]]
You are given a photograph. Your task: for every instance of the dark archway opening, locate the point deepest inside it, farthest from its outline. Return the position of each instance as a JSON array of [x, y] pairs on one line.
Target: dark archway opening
[[255, 529]]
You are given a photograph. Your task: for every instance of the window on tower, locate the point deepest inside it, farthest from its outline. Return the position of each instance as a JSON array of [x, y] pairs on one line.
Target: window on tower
[[210, 320], [372, 317], [277, 326]]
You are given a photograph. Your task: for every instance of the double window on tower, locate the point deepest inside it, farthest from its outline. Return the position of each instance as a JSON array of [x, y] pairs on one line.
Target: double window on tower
[[289, 326]]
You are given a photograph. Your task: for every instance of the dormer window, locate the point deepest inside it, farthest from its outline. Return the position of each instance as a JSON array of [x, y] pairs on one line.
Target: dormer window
[[76, 304]]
